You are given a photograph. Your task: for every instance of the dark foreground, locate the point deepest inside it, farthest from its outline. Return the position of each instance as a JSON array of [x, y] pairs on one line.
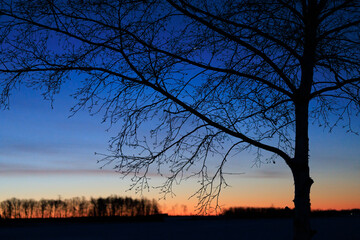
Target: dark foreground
[[184, 228]]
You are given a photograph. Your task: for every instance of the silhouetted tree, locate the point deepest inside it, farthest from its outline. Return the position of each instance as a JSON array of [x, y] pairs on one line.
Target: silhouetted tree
[[7, 208], [77, 207], [25, 205], [200, 76], [83, 205], [32, 204], [101, 207], [74, 206], [43, 205], [16, 204], [51, 208], [120, 206], [65, 208], [154, 207]]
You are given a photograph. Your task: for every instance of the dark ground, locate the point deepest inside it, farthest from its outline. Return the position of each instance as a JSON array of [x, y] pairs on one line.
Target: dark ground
[[184, 228]]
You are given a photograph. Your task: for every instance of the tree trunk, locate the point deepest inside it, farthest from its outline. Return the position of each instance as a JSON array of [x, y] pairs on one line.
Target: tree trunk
[[301, 173], [303, 182]]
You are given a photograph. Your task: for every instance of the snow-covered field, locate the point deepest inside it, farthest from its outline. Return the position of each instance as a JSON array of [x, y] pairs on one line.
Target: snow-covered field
[[183, 228]]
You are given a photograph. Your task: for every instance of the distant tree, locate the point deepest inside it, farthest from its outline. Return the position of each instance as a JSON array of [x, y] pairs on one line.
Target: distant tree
[[74, 206], [65, 209], [16, 204], [25, 205], [202, 77], [120, 206], [83, 205], [2, 209], [51, 208], [93, 202], [32, 204], [43, 205], [101, 207], [127, 206], [57, 207], [154, 207], [7, 209]]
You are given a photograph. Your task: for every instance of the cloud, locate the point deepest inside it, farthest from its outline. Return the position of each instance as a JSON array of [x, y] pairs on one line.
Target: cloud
[[27, 147], [54, 172], [266, 174], [33, 147], [22, 169], [15, 169]]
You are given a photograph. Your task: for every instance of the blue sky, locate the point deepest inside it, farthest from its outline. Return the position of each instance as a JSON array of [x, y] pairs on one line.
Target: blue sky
[[44, 154]]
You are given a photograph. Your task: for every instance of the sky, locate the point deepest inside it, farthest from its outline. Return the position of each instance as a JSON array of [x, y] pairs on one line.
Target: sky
[[44, 153]]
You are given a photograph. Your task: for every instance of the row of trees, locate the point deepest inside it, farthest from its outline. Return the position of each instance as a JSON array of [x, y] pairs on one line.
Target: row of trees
[[253, 212], [77, 207]]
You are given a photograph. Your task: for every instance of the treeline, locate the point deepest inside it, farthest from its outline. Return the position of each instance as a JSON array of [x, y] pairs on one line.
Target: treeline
[[251, 212], [77, 207]]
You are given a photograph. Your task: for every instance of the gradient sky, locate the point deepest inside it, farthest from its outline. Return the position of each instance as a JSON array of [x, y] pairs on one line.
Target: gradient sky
[[44, 154]]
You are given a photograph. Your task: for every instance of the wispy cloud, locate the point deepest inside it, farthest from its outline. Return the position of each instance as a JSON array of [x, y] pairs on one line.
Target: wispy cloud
[[54, 172], [22, 169], [32, 147], [27, 147], [265, 174]]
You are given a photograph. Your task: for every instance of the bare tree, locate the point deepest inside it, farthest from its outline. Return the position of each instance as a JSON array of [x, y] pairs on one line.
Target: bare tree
[[83, 207], [65, 208], [43, 203], [7, 209], [32, 205], [25, 205], [16, 203], [186, 79]]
